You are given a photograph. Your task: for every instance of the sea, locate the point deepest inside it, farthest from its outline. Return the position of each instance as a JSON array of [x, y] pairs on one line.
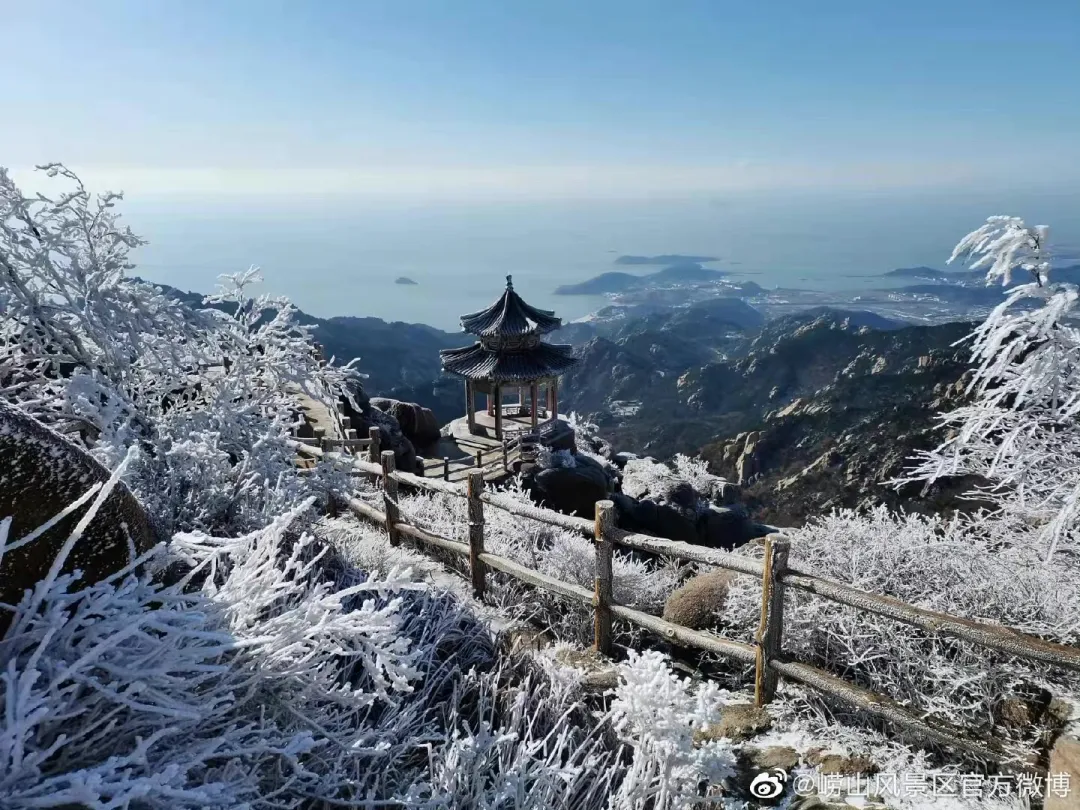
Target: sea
[[343, 255]]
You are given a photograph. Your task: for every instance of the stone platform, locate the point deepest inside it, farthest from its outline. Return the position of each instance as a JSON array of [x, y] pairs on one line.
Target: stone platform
[[458, 442]]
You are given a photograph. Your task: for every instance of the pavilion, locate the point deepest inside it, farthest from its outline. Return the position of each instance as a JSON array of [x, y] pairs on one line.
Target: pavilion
[[509, 357]]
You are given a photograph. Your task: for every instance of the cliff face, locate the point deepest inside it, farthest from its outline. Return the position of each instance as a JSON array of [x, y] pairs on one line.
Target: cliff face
[[841, 445], [841, 410], [812, 412]]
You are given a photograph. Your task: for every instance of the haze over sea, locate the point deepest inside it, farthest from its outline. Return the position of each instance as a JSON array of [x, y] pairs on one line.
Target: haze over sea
[[341, 256]]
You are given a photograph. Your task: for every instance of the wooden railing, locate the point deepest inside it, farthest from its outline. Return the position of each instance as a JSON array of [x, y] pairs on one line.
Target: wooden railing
[[766, 654]]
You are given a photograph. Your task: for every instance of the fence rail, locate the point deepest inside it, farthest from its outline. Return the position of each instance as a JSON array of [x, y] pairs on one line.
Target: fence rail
[[765, 654]]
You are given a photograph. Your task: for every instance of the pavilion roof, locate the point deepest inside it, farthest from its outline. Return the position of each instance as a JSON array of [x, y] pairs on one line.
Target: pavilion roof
[[478, 362], [510, 316]]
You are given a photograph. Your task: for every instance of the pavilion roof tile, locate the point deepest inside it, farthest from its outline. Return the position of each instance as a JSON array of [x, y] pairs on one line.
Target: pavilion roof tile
[[477, 362], [510, 316]]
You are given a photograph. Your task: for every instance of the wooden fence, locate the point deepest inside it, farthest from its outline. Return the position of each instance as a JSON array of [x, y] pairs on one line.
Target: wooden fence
[[766, 654]]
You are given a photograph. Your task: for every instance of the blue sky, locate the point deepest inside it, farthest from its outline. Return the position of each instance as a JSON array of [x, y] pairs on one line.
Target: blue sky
[[543, 98]]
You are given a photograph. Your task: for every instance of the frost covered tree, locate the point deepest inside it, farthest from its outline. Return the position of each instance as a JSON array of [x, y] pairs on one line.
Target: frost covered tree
[[206, 393], [1020, 431]]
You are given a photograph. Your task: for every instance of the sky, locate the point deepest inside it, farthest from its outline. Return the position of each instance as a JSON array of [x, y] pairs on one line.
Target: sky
[[552, 99]]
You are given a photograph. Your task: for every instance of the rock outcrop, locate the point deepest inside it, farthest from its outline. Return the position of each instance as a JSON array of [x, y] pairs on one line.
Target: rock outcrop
[[573, 490], [364, 416], [656, 501], [42, 473], [417, 423], [838, 447]]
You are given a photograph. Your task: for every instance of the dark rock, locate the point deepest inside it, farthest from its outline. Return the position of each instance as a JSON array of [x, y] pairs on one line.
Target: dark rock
[[363, 417], [607, 470], [682, 495], [727, 528], [648, 517], [697, 602], [574, 490], [41, 473], [620, 459], [417, 423], [666, 521]]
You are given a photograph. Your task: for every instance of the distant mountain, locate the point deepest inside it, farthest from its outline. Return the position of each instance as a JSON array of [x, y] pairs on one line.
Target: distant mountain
[[839, 414], [918, 272], [701, 321], [616, 282], [855, 318], [667, 258], [714, 369]]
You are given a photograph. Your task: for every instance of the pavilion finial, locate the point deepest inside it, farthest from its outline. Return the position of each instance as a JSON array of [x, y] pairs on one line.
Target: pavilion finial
[[509, 282]]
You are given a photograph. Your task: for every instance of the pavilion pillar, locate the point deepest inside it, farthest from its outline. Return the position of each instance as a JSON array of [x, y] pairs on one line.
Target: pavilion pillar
[[490, 405], [555, 398], [498, 412], [534, 395], [470, 405]]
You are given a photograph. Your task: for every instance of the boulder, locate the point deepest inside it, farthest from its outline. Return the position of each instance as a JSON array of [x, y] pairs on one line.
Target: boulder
[[391, 436], [699, 599], [417, 423], [574, 490], [41, 473], [649, 517], [722, 527]]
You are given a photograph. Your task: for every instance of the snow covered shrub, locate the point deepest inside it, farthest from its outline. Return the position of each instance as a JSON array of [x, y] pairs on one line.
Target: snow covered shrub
[[967, 566], [695, 472], [686, 483], [1021, 432], [658, 715], [269, 673]]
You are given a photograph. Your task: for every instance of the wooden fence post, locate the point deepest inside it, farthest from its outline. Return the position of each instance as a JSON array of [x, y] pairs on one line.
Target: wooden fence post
[[506, 459], [605, 522], [390, 495], [373, 448], [771, 629], [445, 468], [479, 458], [476, 532]]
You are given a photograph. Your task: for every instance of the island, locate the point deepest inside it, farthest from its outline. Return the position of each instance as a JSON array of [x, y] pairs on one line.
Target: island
[[917, 272], [617, 282], [404, 280]]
